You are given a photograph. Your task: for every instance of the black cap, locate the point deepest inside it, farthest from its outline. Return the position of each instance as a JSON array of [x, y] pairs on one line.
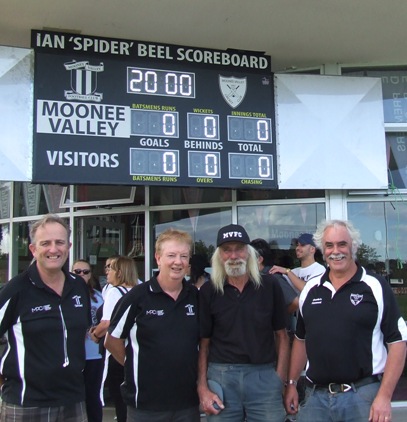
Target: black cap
[[232, 233]]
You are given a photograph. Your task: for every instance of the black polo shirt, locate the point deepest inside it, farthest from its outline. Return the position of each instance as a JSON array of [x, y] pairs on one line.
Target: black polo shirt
[[45, 355], [241, 325], [162, 346], [346, 331]]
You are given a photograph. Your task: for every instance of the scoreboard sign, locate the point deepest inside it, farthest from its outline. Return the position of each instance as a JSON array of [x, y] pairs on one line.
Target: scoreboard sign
[[114, 111]]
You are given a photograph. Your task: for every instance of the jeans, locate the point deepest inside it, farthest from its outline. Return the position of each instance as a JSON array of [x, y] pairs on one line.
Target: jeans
[[352, 406], [251, 391]]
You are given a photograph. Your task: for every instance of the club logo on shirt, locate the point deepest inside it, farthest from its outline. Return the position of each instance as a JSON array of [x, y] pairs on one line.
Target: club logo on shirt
[[356, 298], [77, 301], [316, 301], [41, 308], [190, 310], [157, 312]]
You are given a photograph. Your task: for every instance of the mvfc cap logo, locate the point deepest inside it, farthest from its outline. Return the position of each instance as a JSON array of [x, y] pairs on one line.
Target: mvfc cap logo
[[233, 89], [83, 81]]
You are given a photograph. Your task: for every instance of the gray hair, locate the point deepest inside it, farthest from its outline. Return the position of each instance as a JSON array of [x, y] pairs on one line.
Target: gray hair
[[218, 274], [353, 233], [49, 218]]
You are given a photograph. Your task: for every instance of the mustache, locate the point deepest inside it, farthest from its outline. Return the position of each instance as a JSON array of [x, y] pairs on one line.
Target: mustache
[[237, 261], [336, 256]]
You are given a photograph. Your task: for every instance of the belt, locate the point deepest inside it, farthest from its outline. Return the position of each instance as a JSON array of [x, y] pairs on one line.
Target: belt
[[334, 388]]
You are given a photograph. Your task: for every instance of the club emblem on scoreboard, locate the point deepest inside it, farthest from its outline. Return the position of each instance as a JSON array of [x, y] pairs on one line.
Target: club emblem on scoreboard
[[83, 81], [233, 89]]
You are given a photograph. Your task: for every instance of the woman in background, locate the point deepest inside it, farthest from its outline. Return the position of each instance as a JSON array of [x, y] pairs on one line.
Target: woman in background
[[122, 276], [198, 275], [93, 371]]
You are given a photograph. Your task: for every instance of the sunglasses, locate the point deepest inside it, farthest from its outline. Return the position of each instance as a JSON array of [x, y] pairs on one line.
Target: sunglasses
[[79, 271], [107, 267]]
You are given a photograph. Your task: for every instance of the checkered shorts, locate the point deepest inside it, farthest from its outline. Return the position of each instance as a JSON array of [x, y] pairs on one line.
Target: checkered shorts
[[14, 413]]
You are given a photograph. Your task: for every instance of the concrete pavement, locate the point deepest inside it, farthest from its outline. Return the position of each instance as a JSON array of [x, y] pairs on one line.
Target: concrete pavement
[[399, 414]]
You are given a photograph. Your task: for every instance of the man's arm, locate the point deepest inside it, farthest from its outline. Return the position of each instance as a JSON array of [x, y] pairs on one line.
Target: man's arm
[[116, 348], [283, 353], [297, 364], [206, 396], [381, 406], [296, 281]]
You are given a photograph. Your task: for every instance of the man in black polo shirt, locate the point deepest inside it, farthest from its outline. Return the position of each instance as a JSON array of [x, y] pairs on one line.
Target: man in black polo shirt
[[351, 331], [242, 319], [154, 332]]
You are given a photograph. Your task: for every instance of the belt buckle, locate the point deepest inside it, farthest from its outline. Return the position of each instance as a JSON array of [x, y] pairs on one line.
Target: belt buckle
[[343, 388]]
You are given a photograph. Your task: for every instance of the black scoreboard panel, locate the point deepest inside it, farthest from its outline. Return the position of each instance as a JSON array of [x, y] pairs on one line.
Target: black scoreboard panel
[[110, 111]]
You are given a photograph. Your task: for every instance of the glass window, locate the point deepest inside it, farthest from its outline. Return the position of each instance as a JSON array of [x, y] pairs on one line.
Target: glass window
[[31, 199], [260, 194], [21, 242], [91, 196], [5, 194], [4, 252], [280, 224], [177, 196], [397, 159]]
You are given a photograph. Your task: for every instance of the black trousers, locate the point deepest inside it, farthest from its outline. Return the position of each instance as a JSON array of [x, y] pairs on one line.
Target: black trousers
[[115, 377]]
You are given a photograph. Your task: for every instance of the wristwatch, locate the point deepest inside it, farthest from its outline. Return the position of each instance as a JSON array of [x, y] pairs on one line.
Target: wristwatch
[[287, 270]]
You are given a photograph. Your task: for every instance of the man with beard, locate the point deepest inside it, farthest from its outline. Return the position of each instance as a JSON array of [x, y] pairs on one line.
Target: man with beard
[[244, 346], [351, 332]]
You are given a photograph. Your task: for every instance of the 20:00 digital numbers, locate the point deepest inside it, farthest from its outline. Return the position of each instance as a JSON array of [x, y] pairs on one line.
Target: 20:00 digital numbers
[[160, 82]]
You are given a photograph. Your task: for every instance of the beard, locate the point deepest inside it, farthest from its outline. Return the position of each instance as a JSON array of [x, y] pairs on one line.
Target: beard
[[235, 267]]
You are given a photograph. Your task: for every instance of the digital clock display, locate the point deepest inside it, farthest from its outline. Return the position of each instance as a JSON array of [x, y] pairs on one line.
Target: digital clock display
[[125, 112], [160, 82]]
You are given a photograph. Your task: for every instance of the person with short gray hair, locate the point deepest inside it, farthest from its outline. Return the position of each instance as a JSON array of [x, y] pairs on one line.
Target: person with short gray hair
[[351, 335]]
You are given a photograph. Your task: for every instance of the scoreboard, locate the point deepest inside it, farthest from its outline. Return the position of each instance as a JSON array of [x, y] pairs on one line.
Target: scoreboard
[[115, 111]]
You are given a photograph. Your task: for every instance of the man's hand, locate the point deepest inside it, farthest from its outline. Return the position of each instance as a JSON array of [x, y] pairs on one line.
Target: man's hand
[[207, 400], [380, 410], [291, 399]]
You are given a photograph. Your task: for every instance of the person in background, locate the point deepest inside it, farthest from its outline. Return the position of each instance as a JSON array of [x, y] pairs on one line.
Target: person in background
[[198, 275], [93, 371], [244, 345], [154, 333], [264, 261], [351, 331], [45, 313], [122, 276], [305, 250], [107, 268], [308, 269]]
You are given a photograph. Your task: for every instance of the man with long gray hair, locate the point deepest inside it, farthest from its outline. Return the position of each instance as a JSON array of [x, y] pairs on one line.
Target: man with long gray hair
[[351, 331], [244, 346]]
